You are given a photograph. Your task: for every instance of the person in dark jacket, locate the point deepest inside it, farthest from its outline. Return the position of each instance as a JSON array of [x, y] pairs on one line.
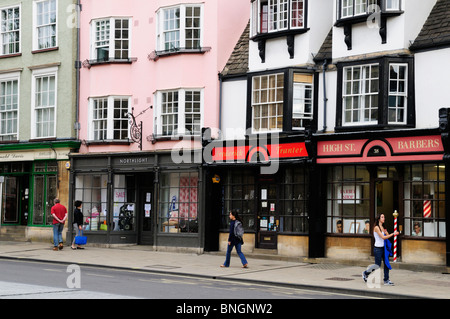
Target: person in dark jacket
[[234, 241], [77, 222]]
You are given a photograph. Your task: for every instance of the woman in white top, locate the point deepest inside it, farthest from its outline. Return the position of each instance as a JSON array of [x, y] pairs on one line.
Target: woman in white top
[[380, 234]]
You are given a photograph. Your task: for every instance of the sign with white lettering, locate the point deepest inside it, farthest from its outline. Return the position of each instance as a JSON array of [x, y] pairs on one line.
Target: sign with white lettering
[[411, 148]]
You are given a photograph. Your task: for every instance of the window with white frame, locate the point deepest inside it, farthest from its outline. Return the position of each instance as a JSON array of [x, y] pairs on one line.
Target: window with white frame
[[267, 102], [45, 24], [179, 112], [392, 4], [398, 93], [10, 30], [111, 39], [109, 118], [9, 106], [44, 90], [376, 92], [277, 15], [353, 8], [360, 94], [180, 28], [302, 108]]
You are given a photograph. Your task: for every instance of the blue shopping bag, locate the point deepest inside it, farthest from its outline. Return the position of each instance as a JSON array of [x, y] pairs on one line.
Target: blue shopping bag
[[80, 240]]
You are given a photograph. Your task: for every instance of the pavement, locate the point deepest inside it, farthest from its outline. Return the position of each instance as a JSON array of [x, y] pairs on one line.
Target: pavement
[[411, 281]]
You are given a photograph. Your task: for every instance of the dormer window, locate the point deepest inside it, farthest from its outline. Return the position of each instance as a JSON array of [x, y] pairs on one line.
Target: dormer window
[[278, 18], [355, 8], [350, 12], [277, 15]]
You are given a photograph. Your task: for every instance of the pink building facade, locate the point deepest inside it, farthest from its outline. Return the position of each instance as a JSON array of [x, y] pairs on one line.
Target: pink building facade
[[148, 85]]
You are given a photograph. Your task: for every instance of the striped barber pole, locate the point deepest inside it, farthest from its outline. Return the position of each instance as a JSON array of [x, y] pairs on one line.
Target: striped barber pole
[[426, 208], [395, 237]]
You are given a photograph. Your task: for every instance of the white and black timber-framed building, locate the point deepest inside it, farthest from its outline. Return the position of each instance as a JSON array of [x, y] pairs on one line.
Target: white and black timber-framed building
[[366, 107]]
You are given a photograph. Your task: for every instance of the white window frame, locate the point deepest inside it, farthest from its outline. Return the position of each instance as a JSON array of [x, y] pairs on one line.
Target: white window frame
[[109, 131], [36, 27], [280, 16], [180, 124], [303, 86], [261, 108], [8, 77], [110, 39], [398, 95], [346, 8], [298, 12], [37, 74], [181, 29], [354, 8], [360, 95], [393, 5], [2, 43]]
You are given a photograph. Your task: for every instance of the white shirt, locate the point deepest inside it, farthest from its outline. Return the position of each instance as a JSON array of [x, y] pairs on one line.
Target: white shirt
[[379, 242]]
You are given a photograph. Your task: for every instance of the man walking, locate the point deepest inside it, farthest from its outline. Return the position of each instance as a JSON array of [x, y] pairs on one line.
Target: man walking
[[59, 213]]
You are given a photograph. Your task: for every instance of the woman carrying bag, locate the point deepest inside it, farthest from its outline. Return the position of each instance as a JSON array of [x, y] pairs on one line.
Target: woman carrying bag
[[235, 240], [77, 223]]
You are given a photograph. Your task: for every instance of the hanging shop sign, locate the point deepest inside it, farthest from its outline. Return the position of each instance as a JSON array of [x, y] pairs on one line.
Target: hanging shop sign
[[412, 148]]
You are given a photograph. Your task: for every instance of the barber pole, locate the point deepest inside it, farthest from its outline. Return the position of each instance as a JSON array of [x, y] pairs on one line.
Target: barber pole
[[395, 237]]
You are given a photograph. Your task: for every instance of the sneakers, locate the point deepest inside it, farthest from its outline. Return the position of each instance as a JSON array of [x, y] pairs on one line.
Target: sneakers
[[364, 276], [386, 283]]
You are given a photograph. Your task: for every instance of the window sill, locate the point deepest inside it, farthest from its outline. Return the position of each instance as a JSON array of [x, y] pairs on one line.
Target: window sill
[[278, 34], [364, 17], [380, 127], [45, 50], [155, 55], [160, 138], [5, 56], [108, 142], [89, 63]]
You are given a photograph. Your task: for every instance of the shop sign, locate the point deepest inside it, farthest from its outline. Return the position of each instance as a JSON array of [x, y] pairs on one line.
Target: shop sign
[[264, 153], [133, 160], [33, 155], [412, 148]]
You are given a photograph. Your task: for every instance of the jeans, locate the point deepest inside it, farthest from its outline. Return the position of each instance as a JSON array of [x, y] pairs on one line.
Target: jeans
[[239, 252], [57, 234], [77, 230], [379, 256]]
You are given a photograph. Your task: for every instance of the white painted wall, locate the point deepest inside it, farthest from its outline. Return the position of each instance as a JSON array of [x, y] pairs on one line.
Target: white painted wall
[[234, 109], [432, 86], [331, 87]]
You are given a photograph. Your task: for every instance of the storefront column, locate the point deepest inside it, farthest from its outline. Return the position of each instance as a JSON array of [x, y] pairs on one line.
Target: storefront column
[[155, 202], [447, 207], [317, 211]]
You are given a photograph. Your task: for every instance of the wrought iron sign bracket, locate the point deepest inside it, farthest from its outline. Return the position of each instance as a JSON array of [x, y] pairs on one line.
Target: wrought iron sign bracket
[[136, 129]]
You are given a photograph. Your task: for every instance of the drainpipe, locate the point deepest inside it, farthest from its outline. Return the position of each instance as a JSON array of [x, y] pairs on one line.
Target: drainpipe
[[78, 67], [220, 103], [325, 100]]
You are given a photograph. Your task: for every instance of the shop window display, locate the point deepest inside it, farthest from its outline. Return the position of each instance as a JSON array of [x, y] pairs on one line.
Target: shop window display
[[92, 191], [294, 216], [124, 198], [178, 202], [348, 200], [424, 189], [239, 192]]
